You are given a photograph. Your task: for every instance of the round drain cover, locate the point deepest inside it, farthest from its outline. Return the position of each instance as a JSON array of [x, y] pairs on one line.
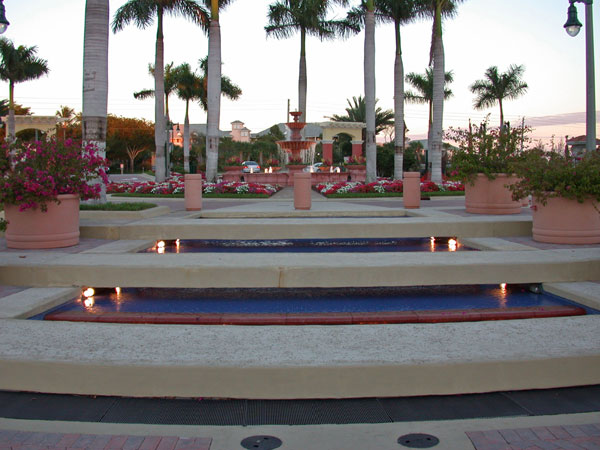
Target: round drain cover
[[261, 442], [418, 440]]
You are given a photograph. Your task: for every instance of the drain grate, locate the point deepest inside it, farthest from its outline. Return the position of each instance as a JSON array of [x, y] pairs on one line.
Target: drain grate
[[418, 440], [261, 442]]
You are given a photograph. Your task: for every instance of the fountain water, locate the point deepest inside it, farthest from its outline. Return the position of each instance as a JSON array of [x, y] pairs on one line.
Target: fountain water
[[295, 144]]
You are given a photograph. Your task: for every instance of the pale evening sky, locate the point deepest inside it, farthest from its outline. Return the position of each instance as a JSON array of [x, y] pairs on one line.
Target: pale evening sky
[[484, 33]]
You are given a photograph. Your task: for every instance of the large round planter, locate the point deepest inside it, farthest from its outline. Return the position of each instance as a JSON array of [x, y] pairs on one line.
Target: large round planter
[[566, 221], [487, 196], [32, 228]]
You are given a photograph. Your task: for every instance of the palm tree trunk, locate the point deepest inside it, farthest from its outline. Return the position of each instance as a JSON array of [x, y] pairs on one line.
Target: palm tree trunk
[[95, 78], [10, 135], [369, 67], [186, 138], [302, 77], [398, 107], [501, 115], [213, 94], [160, 132], [437, 98]]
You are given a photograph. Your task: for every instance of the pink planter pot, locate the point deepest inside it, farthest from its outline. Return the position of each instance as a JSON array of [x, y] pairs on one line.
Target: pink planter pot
[[565, 221], [193, 192], [32, 228], [302, 191], [491, 196], [411, 188]]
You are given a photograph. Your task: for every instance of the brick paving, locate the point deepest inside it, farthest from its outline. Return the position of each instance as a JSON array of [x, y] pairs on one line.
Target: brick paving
[[23, 440], [568, 437]]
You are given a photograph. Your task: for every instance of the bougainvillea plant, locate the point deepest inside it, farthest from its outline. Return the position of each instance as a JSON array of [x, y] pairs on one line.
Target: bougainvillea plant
[[356, 161], [551, 174], [32, 174]]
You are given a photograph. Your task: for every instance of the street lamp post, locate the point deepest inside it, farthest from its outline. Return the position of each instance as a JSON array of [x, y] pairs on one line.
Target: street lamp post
[[3, 22], [572, 27]]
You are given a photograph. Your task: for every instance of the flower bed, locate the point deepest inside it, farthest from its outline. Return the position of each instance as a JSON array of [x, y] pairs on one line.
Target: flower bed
[[175, 185], [384, 186]]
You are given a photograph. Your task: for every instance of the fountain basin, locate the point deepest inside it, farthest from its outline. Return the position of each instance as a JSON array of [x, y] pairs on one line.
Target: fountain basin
[[314, 306]]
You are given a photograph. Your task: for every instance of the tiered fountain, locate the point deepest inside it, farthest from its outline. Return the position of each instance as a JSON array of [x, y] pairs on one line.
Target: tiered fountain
[[295, 144]]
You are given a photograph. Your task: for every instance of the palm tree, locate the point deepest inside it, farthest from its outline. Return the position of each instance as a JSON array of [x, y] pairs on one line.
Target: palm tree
[[142, 13], [398, 12], [357, 112], [170, 86], [18, 65], [213, 92], [423, 83], [438, 9], [369, 68], [496, 87], [308, 17], [66, 116], [191, 87]]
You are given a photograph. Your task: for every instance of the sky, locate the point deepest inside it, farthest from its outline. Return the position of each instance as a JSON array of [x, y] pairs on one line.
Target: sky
[[484, 33]]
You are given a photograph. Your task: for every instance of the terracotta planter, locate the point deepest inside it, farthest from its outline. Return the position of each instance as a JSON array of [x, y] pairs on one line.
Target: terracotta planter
[[193, 192], [566, 221], [302, 190], [491, 196], [411, 188], [32, 228]]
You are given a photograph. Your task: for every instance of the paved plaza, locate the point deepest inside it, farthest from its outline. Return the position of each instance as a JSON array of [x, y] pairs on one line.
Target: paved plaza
[[272, 362]]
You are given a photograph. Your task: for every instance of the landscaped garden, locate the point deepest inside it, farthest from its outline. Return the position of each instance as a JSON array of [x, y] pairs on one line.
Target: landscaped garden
[[175, 187], [386, 187]]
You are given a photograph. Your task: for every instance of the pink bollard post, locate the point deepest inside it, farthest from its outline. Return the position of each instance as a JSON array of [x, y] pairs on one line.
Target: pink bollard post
[[302, 190], [411, 188], [193, 192]]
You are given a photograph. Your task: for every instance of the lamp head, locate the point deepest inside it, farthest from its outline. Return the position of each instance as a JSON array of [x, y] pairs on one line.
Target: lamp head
[[573, 25], [3, 22]]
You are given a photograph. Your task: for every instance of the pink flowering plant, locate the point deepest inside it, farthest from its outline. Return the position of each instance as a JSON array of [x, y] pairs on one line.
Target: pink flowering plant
[[356, 161], [383, 186], [233, 161], [551, 174], [32, 174]]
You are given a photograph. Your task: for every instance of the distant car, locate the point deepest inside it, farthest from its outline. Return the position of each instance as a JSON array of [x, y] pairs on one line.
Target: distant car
[[250, 166], [314, 168]]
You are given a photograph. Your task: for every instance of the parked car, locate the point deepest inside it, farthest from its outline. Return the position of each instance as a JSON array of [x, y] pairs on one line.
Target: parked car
[[250, 166], [314, 168]]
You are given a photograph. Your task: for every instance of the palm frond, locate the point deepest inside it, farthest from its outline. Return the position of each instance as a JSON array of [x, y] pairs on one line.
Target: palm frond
[[140, 12], [144, 94]]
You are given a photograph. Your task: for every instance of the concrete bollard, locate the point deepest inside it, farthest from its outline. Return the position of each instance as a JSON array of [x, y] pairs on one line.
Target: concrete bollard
[[411, 187], [193, 191], [302, 190]]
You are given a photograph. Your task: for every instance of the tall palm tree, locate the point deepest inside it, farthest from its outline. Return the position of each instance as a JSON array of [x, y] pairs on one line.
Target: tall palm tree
[[192, 87], [213, 92], [369, 68], [308, 17], [170, 86], [496, 87], [398, 12], [423, 84], [142, 13], [19, 64], [438, 9]]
